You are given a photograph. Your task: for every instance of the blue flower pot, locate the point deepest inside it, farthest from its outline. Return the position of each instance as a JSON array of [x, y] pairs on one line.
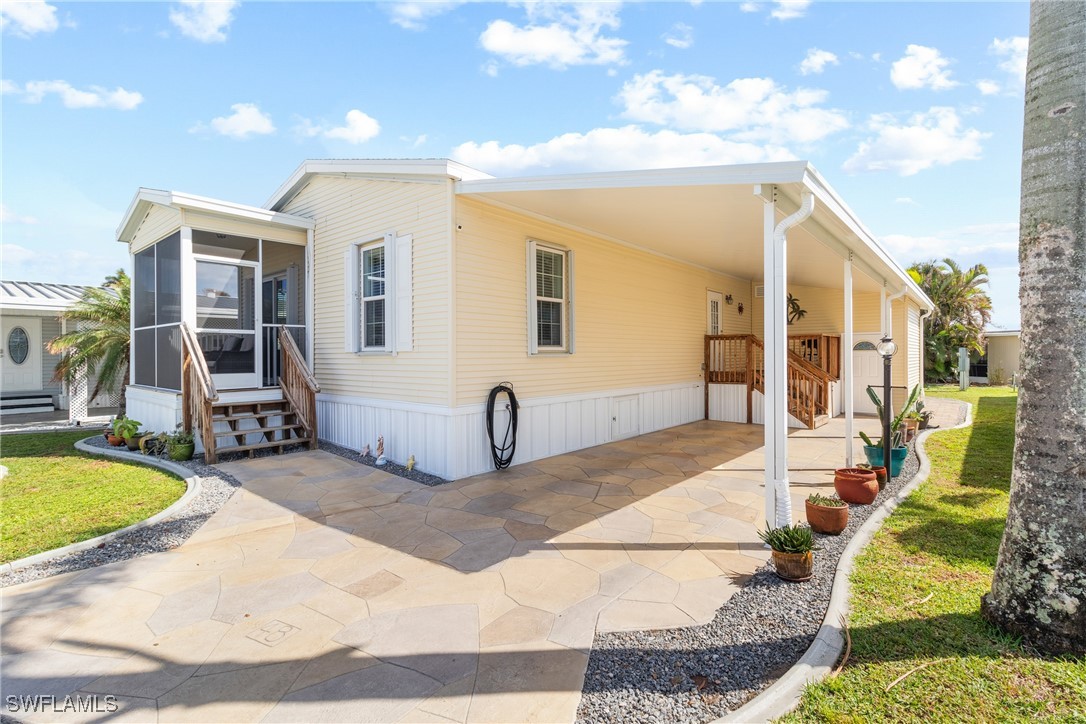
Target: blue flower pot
[[897, 458]]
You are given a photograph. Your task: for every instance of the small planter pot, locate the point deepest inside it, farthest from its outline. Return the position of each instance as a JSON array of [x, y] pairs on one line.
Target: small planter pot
[[181, 452], [133, 443], [897, 458], [795, 567], [856, 485], [880, 475], [114, 440], [826, 519]]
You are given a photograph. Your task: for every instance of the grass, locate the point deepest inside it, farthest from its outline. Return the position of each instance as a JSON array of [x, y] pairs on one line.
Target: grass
[[53, 495], [916, 599]]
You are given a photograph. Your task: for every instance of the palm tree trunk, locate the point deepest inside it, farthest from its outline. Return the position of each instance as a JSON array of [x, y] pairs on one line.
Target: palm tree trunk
[[1039, 590]]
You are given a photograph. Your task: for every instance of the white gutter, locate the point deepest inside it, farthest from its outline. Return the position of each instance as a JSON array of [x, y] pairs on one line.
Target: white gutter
[[778, 501]]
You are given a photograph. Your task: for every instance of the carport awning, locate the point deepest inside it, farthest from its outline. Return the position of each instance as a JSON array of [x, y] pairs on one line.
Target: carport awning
[[710, 217]]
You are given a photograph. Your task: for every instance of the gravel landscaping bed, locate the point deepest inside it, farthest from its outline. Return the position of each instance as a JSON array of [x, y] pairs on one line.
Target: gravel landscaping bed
[[700, 673], [390, 467]]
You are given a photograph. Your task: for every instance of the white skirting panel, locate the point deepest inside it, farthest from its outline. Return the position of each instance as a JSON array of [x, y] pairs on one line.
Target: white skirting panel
[[728, 403], [837, 399], [419, 430], [157, 410], [757, 404]]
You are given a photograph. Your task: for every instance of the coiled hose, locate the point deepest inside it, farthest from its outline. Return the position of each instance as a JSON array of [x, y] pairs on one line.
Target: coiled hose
[[503, 453]]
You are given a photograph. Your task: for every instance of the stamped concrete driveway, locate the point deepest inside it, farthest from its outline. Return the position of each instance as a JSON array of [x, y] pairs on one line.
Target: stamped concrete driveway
[[329, 591]]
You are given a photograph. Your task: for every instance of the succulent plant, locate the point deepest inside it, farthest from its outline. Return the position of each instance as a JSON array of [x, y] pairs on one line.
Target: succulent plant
[[789, 538]]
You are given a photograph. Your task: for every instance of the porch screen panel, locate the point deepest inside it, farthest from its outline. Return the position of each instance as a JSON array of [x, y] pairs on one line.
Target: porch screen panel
[[168, 347], [168, 288], [144, 357], [143, 288]]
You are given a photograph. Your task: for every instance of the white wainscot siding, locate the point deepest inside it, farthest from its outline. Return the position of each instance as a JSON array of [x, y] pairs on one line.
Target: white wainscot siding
[[158, 410], [757, 404], [728, 403]]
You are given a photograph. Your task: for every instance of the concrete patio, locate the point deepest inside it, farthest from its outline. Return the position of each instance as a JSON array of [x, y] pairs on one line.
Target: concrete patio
[[329, 591]]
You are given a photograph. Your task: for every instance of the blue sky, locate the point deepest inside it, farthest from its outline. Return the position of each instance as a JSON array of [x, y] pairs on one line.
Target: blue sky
[[912, 111]]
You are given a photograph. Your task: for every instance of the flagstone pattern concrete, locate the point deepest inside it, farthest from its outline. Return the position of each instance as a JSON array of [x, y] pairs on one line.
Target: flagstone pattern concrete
[[325, 590]]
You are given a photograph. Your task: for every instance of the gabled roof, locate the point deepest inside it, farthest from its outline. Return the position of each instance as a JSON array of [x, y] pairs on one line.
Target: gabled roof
[[145, 198], [389, 168], [39, 295]]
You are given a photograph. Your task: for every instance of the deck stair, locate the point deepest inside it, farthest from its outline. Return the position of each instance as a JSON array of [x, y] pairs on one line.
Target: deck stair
[[22, 403], [254, 424]]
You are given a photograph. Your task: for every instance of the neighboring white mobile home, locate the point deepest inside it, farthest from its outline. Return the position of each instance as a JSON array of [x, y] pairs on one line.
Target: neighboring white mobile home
[[615, 304]]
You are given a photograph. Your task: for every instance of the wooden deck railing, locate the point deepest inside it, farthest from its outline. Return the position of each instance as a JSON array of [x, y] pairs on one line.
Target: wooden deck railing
[[299, 386], [740, 359], [198, 392], [821, 350]]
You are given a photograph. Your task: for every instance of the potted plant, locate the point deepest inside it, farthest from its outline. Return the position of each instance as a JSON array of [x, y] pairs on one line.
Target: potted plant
[[856, 485], [924, 415], [111, 434], [827, 515], [126, 428], [180, 445], [898, 451], [152, 444], [793, 550], [879, 470]]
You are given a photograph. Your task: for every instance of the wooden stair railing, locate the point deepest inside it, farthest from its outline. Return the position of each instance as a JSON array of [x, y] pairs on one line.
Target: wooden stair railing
[[299, 386], [740, 358], [198, 393]]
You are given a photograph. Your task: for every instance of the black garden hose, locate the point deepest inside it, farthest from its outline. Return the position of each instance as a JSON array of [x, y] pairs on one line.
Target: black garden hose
[[503, 454]]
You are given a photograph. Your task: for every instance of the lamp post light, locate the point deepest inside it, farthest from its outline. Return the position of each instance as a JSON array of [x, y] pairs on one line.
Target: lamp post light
[[887, 348]]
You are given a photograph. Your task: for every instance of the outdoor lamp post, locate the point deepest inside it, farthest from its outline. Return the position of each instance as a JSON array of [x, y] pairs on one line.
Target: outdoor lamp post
[[887, 348]]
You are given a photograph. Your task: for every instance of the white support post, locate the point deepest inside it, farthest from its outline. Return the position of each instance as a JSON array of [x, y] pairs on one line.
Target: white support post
[[846, 360], [309, 278], [776, 446], [188, 278]]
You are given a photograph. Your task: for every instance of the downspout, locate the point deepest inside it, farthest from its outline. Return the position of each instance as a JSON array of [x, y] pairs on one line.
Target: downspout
[[924, 313], [776, 412]]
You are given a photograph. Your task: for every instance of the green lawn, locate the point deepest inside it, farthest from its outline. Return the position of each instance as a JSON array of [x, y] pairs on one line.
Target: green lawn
[[53, 495], [916, 599]]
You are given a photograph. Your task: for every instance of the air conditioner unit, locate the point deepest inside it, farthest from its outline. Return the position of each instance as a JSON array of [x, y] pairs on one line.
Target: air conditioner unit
[[759, 291]]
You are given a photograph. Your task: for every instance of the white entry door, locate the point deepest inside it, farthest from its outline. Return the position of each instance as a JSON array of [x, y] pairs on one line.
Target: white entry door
[[866, 370], [625, 421], [714, 312], [227, 320], [21, 353]]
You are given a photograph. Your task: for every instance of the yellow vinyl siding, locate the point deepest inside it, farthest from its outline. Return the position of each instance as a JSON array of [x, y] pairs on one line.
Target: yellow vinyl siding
[[347, 211], [239, 227], [640, 319], [825, 311], [160, 221]]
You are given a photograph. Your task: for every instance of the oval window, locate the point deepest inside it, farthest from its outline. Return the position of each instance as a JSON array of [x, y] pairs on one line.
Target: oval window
[[865, 346], [18, 345]]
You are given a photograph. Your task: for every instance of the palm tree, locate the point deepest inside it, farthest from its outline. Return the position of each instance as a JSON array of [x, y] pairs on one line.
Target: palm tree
[[1039, 589], [101, 337], [962, 310]]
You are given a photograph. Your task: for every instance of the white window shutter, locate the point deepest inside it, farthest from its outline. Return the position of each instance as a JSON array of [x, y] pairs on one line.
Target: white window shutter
[[390, 291], [569, 303], [402, 289], [533, 342], [351, 299]]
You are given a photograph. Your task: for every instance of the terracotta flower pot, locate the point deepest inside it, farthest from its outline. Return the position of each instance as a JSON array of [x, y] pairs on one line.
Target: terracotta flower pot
[[114, 440], [880, 475], [827, 520], [794, 566], [856, 485]]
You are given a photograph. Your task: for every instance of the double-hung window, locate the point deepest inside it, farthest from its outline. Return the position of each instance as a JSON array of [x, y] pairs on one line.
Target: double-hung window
[[373, 317], [377, 289], [550, 298]]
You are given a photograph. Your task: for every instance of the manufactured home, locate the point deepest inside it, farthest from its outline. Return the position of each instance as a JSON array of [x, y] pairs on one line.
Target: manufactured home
[[387, 298]]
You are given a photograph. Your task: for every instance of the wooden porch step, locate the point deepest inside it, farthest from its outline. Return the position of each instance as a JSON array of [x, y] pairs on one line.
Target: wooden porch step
[[820, 420], [254, 430], [253, 407], [260, 446], [253, 415]]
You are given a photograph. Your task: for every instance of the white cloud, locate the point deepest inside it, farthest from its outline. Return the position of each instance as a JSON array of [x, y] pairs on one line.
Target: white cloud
[[995, 243], [415, 15], [816, 61], [204, 20], [749, 7], [558, 35], [752, 109], [790, 9], [906, 201], [932, 138], [490, 68], [416, 141], [28, 17], [35, 91], [7, 216], [680, 36], [922, 67], [1013, 51], [358, 128], [246, 120], [988, 87], [607, 149]]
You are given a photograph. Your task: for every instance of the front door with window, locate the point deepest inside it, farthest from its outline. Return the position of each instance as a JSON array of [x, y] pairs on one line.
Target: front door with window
[[227, 319], [866, 370], [21, 353], [714, 306]]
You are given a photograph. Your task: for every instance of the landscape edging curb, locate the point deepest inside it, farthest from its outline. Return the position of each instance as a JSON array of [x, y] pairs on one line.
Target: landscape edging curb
[[192, 483], [783, 695]]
